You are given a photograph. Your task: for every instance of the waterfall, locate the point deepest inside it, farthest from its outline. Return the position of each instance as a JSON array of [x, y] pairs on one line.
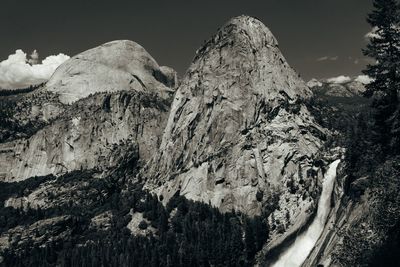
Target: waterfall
[[298, 252]]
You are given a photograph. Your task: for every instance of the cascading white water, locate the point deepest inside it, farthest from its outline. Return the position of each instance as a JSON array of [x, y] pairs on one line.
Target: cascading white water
[[298, 252]]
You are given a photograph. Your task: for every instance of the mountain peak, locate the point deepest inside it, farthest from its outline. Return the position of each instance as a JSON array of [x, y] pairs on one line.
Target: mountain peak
[[233, 115], [114, 66], [253, 28], [243, 33], [245, 51]]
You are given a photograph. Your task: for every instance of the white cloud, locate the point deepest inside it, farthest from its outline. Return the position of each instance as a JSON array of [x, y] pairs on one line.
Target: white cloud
[[326, 58], [16, 73], [339, 80], [322, 58], [364, 79]]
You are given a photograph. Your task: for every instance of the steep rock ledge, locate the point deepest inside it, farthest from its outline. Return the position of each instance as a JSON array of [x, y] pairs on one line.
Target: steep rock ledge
[[94, 133]]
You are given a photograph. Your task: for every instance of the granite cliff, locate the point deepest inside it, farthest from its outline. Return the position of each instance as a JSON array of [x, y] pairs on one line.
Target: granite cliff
[[92, 126], [239, 135]]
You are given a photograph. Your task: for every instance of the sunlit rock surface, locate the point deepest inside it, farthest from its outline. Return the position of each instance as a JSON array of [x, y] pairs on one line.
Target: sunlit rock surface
[[239, 134], [96, 133], [114, 66]]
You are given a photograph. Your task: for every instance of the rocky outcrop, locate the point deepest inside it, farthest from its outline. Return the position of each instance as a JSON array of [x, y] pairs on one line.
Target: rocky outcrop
[[41, 232], [95, 134], [111, 67], [239, 135], [135, 225]]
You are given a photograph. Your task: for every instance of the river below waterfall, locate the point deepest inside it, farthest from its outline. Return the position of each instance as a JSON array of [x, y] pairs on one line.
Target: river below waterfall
[[297, 253]]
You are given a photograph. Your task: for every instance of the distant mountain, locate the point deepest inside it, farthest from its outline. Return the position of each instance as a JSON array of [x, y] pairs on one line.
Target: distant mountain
[[342, 86]]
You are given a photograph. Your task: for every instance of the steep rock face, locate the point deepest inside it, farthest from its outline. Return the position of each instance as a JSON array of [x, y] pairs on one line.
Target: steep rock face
[[239, 134], [94, 133], [97, 107], [111, 67]]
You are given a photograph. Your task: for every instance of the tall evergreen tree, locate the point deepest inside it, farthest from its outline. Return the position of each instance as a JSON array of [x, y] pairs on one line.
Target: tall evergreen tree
[[249, 239], [384, 48]]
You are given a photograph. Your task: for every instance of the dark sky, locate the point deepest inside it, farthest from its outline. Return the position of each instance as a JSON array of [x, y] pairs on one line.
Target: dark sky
[[171, 31]]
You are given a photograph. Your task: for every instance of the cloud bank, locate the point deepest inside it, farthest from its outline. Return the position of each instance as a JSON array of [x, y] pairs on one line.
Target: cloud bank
[[339, 80], [364, 79], [326, 58], [15, 72]]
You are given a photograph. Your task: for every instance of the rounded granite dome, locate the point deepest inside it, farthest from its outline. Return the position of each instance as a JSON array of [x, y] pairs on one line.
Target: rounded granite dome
[[245, 52], [254, 29], [114, 66], [238, 124]]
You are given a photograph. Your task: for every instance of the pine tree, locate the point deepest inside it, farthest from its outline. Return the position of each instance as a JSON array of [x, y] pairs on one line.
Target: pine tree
[[261, 232], [162, 221], [384, 48], [249, 239]]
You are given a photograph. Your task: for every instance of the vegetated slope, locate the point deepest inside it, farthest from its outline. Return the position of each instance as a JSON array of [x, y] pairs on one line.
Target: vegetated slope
[[338, 107], [22, 114], [101, 224]]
